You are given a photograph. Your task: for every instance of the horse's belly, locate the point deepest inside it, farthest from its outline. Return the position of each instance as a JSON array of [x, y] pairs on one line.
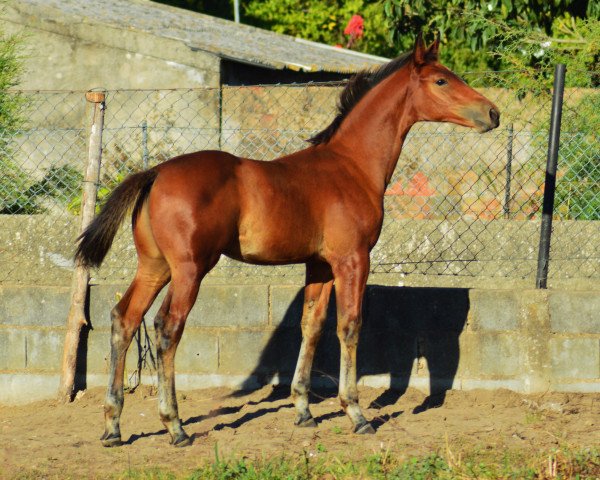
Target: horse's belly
[[263, 246]]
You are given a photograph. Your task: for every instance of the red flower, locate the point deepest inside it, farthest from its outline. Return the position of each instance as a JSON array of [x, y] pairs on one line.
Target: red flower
[[355, 27]]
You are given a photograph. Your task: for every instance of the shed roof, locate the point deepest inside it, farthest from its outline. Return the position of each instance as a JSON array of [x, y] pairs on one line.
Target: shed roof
[[223, 38]]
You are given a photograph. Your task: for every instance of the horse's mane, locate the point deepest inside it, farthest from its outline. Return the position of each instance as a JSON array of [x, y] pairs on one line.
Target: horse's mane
[[356, 89]]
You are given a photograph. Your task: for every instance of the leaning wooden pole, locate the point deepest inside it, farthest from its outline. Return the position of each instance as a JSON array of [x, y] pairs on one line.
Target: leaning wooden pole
[[76, 318]]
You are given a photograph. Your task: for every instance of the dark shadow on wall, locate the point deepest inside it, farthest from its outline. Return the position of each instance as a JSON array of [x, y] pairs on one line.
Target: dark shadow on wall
[[80, 383], [400, 325]]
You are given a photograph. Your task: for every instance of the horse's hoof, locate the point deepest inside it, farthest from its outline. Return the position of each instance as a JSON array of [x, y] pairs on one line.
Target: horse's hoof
[[111, 440], [365, 428], [183, 440], [305, 421]]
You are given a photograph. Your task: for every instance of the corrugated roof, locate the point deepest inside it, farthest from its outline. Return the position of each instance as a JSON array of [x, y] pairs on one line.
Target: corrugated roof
[[221, 37]]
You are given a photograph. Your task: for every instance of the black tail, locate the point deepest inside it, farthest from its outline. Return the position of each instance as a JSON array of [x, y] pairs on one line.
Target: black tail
[[97, 238]]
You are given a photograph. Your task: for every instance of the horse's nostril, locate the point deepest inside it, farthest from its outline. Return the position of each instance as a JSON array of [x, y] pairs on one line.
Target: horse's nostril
[[495, 116]]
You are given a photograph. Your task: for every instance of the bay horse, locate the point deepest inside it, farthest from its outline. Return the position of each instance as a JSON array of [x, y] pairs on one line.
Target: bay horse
[[321, 206]]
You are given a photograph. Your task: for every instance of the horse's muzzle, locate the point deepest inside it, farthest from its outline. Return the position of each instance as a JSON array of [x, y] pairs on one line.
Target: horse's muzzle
[[494, 117]]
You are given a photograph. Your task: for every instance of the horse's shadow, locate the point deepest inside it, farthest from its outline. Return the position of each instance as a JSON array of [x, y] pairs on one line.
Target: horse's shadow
[[400, 326]]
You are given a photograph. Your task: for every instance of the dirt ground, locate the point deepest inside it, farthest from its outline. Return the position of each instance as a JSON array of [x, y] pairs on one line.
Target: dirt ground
[[46, 439]]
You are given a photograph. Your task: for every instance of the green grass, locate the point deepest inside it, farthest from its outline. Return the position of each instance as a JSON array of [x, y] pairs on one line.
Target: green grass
[[484, 463], [477, 464]]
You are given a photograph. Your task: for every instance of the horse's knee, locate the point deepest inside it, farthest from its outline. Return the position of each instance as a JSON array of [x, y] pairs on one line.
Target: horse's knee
[[348, 331], [123, 325], [168, 331]]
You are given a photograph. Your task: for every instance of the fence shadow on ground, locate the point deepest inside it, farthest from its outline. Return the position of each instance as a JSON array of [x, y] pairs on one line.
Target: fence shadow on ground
[[401, 328]]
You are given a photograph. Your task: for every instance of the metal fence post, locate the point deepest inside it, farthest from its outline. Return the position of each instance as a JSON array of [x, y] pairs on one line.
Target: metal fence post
[[76, 318], [509, 158], [145, 144], [550, 182]]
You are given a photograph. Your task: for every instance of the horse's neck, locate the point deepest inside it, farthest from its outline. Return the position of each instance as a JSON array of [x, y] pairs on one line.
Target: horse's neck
[[373, 133]]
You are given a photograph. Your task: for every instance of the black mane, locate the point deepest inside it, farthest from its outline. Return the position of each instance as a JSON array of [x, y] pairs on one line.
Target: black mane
[[356, 89]]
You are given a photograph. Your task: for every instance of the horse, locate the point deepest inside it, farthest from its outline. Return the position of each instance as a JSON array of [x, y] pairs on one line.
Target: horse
[[321, 206]]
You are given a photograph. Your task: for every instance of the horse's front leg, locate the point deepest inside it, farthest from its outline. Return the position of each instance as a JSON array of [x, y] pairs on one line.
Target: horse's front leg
[[319, 281], [350, 275]]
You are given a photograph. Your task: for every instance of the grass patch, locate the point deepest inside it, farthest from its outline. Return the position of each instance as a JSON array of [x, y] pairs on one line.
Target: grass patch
[[485, 464]]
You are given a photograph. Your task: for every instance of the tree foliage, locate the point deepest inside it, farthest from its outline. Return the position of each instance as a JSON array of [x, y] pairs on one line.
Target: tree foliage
[[10, 68], [470, 29], [322, 21], [13, 181], [474, 27]]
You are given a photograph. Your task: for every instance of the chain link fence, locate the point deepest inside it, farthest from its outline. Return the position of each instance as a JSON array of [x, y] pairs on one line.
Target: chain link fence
[[459, 205]]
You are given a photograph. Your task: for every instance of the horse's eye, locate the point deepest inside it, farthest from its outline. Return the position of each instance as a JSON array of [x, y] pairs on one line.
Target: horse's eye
[[441, 81]]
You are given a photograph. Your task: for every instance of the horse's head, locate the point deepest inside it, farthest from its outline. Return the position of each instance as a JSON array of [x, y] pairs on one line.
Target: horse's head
[[439, 95]]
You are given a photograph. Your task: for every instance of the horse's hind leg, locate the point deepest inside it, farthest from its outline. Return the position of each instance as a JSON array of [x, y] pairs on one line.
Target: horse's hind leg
[[319, 281], [151, 276], [169, 324]]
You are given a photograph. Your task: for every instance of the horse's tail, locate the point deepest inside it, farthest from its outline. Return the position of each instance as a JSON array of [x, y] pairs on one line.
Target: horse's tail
[[97, 238]]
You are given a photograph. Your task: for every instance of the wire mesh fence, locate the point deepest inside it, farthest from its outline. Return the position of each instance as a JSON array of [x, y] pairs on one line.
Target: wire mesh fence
[[459, 204]]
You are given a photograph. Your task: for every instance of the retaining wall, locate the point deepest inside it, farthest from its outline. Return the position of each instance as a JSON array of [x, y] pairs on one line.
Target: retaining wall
[[38, 250], [245, 335]]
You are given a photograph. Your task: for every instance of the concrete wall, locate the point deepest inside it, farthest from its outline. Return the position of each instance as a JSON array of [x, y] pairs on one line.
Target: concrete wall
[[79, 55], [466, 253], [244, 335]]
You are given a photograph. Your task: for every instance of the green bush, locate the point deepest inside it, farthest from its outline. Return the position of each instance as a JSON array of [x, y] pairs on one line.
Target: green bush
[[13, 181], [533, 54]]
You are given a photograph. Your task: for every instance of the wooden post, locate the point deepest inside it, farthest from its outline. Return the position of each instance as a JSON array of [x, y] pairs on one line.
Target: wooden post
[[76, 318]]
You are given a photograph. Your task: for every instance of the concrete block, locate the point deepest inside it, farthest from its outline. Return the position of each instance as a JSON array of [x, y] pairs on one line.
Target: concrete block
[[416, 309], [490, 354], [442, 354], [572, 311], [38, 306], [581, 387], [45, 349], [231, 306], [97, 352], [242, 352], [102, 299], [198, 352], [495, 310], [575, 358], [286, 305], [383, 352], [216, 306], [21, 388], [12, 349], [515, 385]]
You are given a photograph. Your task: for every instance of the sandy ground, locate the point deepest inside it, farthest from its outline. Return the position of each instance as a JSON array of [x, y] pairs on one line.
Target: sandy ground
[[47, 439]]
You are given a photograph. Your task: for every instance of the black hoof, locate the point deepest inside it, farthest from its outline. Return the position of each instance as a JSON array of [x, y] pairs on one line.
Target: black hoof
[[113, 440], [183, 440], [305, 421], [364, 428]]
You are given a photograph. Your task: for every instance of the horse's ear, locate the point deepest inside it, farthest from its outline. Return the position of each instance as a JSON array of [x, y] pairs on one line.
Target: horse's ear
[[433, 50], [420, 51]]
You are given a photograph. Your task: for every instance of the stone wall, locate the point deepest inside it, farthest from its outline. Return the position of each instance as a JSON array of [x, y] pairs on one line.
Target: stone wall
[[246, 335]]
